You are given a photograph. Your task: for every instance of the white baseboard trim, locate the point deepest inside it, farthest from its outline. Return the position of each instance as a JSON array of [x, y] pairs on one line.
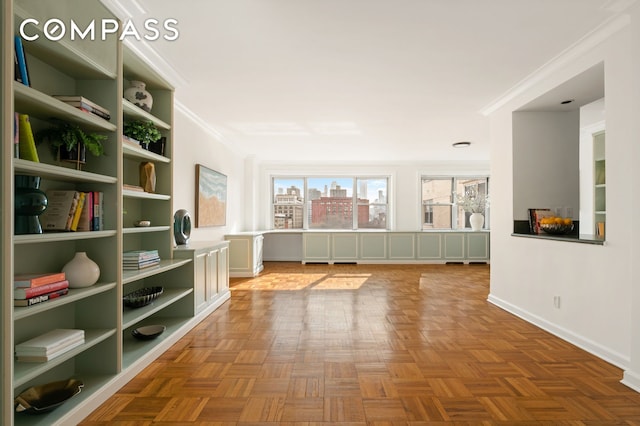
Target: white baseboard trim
[[613, 357], [631, 380]]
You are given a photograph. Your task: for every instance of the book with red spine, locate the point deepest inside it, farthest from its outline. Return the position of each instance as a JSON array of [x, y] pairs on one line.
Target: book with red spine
[[29, 292], [42, 298], [35, 280]]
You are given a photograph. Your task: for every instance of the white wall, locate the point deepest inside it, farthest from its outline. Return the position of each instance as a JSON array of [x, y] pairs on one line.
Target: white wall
[[632, 374], [194, 144], [594, 282], [546, 161]]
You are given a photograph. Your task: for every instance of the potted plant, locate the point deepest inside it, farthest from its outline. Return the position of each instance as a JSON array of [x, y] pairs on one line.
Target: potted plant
[[70, 142], [475, 203], [144, 132]]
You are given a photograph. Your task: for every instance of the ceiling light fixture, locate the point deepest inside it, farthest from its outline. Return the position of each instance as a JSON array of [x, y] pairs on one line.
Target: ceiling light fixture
[[463, 144], [568, 101]]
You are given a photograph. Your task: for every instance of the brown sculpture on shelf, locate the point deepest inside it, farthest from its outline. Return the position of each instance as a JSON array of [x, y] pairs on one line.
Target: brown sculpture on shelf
[[148, 177]]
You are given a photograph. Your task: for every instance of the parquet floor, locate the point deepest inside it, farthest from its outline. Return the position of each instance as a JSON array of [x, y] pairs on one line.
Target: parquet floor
[[370, 345]]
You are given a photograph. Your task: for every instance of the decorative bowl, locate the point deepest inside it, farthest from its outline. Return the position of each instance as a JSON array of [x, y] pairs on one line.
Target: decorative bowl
[[142, 297], [44, 398], [148, 332], [556, 228]]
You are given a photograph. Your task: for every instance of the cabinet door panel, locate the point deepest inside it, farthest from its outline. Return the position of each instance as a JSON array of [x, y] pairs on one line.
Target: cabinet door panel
[[212, 275], [430, 246], [345, 247], [478, 246], [373, 246], [454, 246], [316, 247], [402, 246], [200, 285]]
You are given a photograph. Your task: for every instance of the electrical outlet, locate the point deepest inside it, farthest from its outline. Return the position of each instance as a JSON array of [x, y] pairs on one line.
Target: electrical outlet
[[556, 302]]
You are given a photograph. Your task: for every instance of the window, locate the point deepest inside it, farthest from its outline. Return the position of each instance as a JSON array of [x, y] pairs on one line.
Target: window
[[287, 203], [330, 203], [439, 210], [372, 203]]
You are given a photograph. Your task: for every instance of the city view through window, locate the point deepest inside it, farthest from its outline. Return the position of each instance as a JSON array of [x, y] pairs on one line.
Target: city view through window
[[330, 203]]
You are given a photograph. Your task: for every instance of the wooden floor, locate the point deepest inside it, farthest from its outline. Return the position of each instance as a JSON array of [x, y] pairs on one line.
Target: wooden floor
[[370, 345]]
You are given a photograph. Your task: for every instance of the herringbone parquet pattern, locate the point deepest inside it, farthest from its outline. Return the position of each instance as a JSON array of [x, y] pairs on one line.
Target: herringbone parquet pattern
[[370, 345]]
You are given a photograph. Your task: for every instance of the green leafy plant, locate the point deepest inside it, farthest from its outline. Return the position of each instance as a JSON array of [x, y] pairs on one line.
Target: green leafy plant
[[144, 132], [69, 136]]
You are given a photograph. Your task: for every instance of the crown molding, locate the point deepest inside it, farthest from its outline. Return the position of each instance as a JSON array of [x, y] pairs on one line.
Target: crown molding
[[576, 50], [206, 127]]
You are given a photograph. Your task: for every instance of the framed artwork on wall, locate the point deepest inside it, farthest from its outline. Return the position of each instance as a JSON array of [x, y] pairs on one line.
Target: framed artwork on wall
[[211, 197]]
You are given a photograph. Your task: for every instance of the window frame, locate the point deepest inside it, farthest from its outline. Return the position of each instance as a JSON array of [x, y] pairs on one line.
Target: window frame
[[454, 179], [306, 203]]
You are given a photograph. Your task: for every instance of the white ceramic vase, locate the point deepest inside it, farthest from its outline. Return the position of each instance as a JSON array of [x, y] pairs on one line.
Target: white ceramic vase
[[81, 271], [476, 220], [137, 94]]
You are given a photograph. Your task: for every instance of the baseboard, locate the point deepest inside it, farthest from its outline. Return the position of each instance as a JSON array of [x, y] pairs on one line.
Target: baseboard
[[613, 357], [631, 380]]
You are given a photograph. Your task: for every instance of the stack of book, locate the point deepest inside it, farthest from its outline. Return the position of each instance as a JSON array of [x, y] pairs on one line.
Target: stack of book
[[49, 345], [70, 210], [30, 289], [139, 259], [85, 105]]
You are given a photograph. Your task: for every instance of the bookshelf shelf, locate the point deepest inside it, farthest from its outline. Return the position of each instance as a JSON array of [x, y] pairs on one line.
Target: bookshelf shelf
[[94, 385], [140, 153], [133, 112], [25, 371], [141, 230], [49, 171], [127, 193], [61, 236], [66, 55], [74, 295], [132, 316], [164, 266], [33, 102], [134, 349]]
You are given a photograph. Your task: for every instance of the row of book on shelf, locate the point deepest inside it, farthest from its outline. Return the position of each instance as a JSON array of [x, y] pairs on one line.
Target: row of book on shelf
[[49, 345], [70, 210], [140, 259], [21, 75], [31, 289]]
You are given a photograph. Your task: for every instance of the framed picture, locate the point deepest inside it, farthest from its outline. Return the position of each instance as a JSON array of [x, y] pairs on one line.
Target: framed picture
[[211, 197]]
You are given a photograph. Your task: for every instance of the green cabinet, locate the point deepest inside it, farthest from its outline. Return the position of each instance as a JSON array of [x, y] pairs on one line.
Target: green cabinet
[[454, 246], [373, 246], [401, 245], [396, 247], [430, 246], [316, 247]]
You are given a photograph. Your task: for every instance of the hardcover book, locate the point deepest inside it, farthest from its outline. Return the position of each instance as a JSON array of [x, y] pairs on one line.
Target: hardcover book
[[29, 292], [60, 210], [22, 61], [27, 144], [51, 339], [36, 280], [42, 298]]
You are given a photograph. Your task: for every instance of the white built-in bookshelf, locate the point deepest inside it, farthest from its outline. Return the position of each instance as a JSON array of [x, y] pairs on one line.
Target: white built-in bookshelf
[[109, 356]]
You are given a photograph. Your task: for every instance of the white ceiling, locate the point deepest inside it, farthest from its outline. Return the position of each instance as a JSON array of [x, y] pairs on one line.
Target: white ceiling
[[358, 80]]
